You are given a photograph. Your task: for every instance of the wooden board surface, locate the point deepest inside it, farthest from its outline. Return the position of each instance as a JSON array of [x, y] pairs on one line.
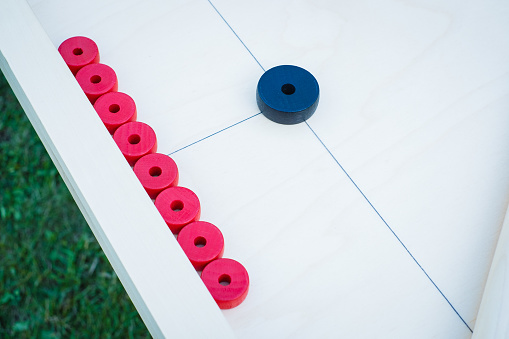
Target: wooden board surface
[[493, 313], [380, 216]]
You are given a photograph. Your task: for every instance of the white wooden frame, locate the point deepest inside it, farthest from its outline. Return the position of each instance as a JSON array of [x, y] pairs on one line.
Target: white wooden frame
[[492, 319], [114, 204]]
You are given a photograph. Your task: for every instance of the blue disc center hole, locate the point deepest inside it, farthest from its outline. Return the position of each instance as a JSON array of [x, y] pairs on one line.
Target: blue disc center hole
[[288, 89]]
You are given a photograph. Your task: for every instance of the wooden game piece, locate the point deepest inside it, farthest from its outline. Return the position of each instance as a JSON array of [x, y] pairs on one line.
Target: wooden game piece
[[156, 172], [178, 206], [135, 139], [115, 109], [287, 94], [202, 242], [78, 52], [96, 80], [227, 281], [166, 291]]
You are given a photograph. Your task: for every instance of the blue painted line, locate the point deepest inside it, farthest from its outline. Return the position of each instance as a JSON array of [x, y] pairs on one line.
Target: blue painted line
[[390, 229], [242, 42], [224, 129], [344, 171]]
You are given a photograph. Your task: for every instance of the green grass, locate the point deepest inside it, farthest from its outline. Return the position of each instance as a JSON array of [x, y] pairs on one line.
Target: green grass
[[55, 281]]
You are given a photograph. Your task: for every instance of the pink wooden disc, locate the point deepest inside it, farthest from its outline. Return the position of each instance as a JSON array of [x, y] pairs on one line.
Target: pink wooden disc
[[78, 52], [227, 281], [178, 206], [96, 80], [135, 139], [202, 242], [156, 172], [115, 109]]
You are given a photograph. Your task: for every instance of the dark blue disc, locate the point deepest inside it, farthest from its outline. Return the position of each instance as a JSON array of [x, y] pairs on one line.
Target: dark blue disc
[[287, 94]]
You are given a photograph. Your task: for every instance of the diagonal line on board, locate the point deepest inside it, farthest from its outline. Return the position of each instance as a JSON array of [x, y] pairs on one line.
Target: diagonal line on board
[[224, 129], [389, 227], [353, 182], [242, 42], [208, 136]]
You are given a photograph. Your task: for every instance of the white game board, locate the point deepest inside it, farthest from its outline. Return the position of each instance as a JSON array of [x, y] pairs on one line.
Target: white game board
[[379, 216]]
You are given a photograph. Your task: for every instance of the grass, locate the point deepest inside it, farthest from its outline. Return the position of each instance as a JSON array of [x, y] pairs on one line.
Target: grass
[[55, 281]]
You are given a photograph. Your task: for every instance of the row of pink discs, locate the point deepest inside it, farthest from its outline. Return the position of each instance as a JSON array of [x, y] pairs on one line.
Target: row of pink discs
[[226, 279]]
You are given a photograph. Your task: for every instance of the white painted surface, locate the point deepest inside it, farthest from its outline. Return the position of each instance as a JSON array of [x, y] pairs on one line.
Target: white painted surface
[[322, 264], [414, 105], [494, 310]]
